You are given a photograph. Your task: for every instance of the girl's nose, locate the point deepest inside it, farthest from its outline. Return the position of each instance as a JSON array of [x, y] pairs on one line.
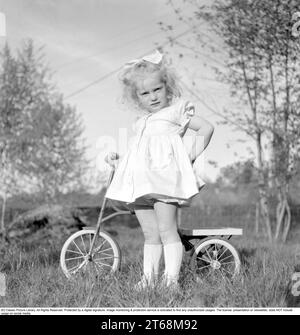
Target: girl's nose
[[153, 96]]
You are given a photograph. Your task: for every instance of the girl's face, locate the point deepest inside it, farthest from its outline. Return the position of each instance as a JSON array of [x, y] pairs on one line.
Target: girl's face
[[152, 94]]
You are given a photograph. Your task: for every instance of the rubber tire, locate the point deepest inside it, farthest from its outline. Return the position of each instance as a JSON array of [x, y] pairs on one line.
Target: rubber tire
[[114, 245]]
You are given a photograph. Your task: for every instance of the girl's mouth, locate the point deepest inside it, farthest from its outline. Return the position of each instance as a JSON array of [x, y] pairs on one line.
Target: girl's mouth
[[155, 104]]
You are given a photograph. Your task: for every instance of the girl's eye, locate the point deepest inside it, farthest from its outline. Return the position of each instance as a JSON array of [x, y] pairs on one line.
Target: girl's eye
[[157, 89], [144, 93]]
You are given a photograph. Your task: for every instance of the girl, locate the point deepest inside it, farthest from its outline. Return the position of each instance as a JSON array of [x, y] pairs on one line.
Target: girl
[[156, 176]]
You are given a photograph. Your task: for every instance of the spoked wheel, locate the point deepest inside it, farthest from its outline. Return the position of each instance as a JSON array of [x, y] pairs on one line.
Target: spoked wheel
[[75, 259], [215, 257]]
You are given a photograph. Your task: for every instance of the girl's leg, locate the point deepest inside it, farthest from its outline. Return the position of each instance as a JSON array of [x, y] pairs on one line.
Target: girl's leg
[[173, 250], [152, 246]]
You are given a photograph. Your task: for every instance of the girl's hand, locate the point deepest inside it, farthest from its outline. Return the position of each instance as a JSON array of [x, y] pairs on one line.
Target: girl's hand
[[111, 158], [189, 107]]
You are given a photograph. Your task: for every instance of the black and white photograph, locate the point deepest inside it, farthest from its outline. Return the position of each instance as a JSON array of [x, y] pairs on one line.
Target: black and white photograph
[[149, 158]]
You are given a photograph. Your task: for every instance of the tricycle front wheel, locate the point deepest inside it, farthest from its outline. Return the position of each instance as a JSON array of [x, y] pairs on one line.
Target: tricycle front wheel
[[75, 258]]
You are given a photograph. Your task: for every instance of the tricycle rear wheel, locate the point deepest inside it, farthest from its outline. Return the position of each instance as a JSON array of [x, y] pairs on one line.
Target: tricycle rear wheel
[[214, 256]]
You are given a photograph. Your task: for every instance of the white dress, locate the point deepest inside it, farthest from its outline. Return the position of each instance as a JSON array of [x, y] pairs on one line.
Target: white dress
[[157, 165]]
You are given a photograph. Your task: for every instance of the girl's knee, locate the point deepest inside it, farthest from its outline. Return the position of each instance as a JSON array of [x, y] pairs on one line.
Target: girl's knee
[[169, 235]]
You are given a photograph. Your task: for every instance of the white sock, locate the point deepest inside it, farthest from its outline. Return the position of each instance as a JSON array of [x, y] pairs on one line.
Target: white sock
[[173, 253], [152, 255]]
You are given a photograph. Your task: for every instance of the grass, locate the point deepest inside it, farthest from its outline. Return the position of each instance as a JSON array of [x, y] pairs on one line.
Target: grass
[[34, 278]]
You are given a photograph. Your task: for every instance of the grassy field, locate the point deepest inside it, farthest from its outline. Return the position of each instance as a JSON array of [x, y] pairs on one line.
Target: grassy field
[[34, 278]]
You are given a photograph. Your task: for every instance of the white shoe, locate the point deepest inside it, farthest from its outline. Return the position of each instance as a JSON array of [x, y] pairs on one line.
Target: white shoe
[[144, 284], [170, 284]]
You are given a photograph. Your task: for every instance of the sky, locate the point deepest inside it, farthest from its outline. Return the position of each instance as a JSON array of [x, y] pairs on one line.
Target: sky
[[85, 40]]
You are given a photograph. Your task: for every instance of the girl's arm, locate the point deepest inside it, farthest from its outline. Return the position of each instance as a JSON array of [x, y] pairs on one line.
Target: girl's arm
[[204, 131]]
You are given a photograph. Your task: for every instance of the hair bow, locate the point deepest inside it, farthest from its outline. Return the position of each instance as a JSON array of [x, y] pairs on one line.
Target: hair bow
[[154, 58]]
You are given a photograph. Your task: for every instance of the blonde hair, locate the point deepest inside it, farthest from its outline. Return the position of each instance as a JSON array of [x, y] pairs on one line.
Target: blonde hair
[[131, 74]]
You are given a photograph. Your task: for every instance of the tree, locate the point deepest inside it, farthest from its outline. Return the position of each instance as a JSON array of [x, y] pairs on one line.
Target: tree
[[42, 149], [58, 164], [238, 174], [9, 120], [260, 64]]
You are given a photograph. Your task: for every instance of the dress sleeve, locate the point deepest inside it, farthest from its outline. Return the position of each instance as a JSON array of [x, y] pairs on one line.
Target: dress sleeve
[[184, 113]]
